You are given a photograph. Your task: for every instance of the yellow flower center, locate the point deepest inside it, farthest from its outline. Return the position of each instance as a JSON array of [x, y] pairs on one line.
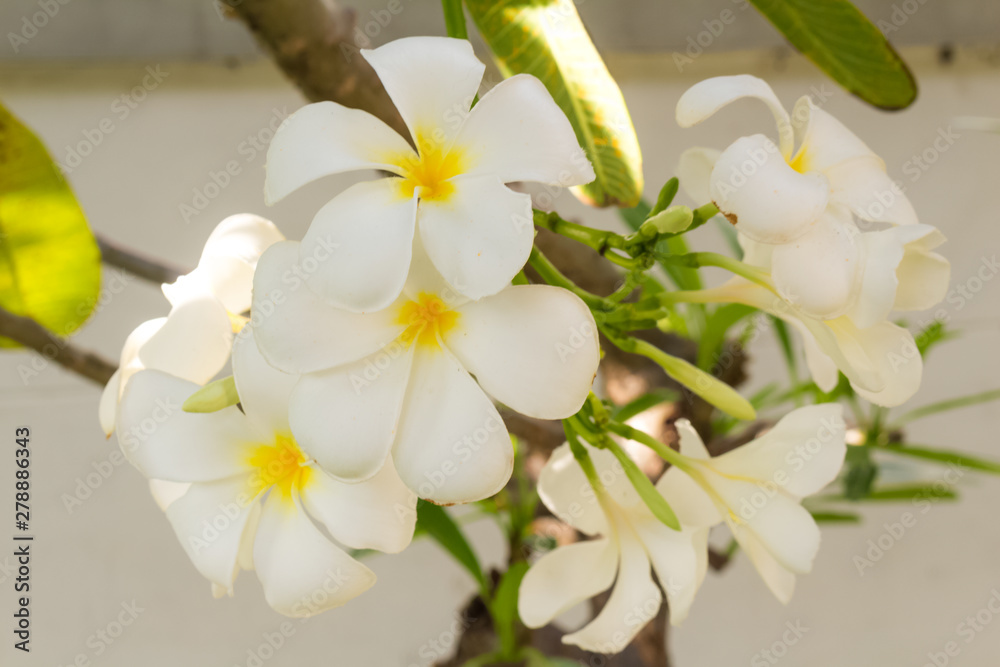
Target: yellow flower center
[[800, 161], [281, 465], [430, 170], [425, 319]]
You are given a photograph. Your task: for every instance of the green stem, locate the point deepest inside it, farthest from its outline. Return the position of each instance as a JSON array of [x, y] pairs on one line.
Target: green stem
[[454, 19], [643, 438], [700, 259], [598, 240], [553, 276]]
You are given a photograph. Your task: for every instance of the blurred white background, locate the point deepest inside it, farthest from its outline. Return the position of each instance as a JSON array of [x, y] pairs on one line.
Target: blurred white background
[[214, 107]]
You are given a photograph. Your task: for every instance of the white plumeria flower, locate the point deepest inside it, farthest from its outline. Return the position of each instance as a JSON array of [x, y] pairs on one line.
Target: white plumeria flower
[[240, 494], [452, 190], [628, 541], [757, 489], [400, 380], [801, 196], [194, 340], [881, 359]]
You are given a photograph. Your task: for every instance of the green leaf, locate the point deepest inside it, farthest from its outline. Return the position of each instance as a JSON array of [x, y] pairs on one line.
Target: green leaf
[[716, 327], [836, 517], [454, 19], [933, 334], [950, 404], [547, 39], [838, 38], [213, 396], [50, 265], [645, 402], [943, 456], [654, 500], [787, 349], [504, 608], [435, 521], [898, 492]]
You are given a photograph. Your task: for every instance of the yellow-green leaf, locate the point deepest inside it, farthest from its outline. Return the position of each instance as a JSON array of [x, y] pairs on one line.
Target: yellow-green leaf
[[547, 39], [50, 265]]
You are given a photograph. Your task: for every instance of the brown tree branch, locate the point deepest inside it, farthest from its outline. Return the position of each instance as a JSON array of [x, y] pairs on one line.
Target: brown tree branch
[[31, 334], [150, 269]]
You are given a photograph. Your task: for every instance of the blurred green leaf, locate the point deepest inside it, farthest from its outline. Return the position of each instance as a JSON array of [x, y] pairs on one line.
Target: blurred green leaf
[[645, 402], [950, 404], [931, 335], [547, 39], [50, 265], [897, 492], [842, 42], [654, 500], [836, 517], [942, 456], [716, 327], [861, 473], [435, 521], [504, 608]]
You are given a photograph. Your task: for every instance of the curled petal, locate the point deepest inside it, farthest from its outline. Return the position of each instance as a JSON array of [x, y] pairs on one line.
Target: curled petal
[[766, 199], [564, 577], [694, 171], [820, 272], [706, 97]]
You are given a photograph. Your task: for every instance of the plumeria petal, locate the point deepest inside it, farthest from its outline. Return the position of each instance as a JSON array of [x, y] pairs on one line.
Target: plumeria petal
[[210, 520], [766, 199], [674, 555], [107, 409], [780, 581], [346, 417], [165, 442], [193, 342], [264, 391], [927, 274], [518, 133], [303, 573], [565, 577], [635, 600], [694, 170], [564, 489], [379, 513], [923, 275], [823, 140], [534, 348], [801, 454], [296, 331], [452, 445], [862, 185], [820, 272], [360, 246], [782, 526], [886, 349], [165, 493], [225, 269], [326, 138], [480, 236], [706, 97], [432, 80]]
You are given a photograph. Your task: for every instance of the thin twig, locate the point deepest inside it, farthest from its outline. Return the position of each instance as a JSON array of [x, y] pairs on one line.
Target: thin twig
[[136, 263], [31, 334]]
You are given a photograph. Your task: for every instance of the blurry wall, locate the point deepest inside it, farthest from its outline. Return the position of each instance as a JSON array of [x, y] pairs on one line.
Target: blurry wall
[[185, 150]]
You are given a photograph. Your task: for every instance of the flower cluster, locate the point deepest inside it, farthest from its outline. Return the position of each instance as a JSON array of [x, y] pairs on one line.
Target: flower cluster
[[368, 358], [374, 348], [838, 240]]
